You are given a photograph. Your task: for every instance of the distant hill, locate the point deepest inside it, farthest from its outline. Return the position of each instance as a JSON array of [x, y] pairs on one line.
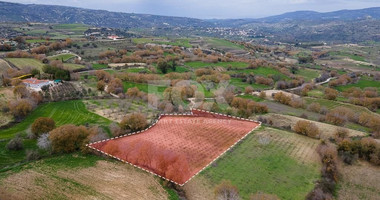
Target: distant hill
[[15, 12], [341, 15], [301, 26]]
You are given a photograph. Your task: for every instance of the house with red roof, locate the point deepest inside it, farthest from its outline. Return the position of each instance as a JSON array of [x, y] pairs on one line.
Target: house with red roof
[[36, 84]]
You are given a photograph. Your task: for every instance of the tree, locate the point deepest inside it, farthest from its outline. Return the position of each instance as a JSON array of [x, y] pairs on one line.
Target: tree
[[115, 86], [306, 128], [248, 90], [42, 125], [134, 122], [163, 66], [101, 85], [331, 94], [16, 143], [44, 142], [20, 91], [68, 138], [20, 108], [314, 107], [226, 191]]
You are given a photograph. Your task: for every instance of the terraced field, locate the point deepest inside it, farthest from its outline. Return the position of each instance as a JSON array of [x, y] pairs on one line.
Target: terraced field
[[26, 62], [199, 64], [269, 161]]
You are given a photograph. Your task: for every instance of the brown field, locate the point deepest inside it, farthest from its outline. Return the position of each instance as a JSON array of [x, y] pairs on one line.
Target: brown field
[[327, 130], [4, 66], [359, 181], [105, 180]]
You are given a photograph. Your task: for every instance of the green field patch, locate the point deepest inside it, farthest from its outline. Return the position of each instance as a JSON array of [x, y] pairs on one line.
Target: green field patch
[[220, 43], [37, 41], [255, 167], [362, 83], [183, 42], [148, 88], [26, 62], [64, 112], [349, 55], [240, 84], [62, 57], [200, 64], [71, 66], [99, 66], [308, 74]]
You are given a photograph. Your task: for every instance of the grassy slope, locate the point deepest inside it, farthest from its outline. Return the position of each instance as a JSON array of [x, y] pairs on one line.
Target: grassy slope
[[64, 112], [362, 83], [145, 87], [65, 57], [200, 64], [26, 62], [254, 167]]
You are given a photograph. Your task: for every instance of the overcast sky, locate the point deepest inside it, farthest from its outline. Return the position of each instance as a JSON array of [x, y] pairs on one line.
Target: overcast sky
[[207, 9]]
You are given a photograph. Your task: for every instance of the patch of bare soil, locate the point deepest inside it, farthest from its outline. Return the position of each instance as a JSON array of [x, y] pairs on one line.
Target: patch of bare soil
[[327, 130], [359, 181], [269, 93], [198, 188], [106, 180]]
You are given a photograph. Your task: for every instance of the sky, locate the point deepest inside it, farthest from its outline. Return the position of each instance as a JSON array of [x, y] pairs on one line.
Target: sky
[[209, 9]]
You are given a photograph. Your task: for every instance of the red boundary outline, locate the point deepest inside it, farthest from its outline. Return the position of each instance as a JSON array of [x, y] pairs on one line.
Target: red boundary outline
[[175, 114]]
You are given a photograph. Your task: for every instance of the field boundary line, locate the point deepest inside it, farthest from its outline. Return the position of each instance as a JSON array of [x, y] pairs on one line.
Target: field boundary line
[[191, 113]]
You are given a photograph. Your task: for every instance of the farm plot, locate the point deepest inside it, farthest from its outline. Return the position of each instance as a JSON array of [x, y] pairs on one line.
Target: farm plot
[[64, 112], [270, 161], [179, 147], [78, 176], [26, 62], [199, 64], [63, 57], [4, 66]]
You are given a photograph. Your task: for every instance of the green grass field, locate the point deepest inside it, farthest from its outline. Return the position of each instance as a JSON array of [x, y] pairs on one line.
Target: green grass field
[[76, 28], [71, 66], [349, 55], [269, 168], [64, 57], [262, 71], [200, 64], [238, 83], [308, 74], [99, 66], [362, 83], [220, 43], [152, 89], [36, 41], [64, 112], [183, 42], [26, 62]]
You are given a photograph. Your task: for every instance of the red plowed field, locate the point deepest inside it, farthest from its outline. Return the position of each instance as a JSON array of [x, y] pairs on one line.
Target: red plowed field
[[178, 147]]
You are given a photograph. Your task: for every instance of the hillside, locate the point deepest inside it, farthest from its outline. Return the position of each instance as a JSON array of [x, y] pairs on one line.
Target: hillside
[[100, 18]]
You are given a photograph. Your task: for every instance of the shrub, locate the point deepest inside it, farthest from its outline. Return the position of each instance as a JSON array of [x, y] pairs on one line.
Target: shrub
[[32, 155], [20, 108], [282, 98], [314, 107], [248, 90], [340, 134], [226, 191], [44, 142], [134, 122], [306, 128], [15, 144], [42, 125], [68, 138], [340, 116], [263, 95], [331, 94]]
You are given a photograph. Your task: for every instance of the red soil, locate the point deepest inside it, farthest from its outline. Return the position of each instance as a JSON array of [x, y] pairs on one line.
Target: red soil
[[178, 147]]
